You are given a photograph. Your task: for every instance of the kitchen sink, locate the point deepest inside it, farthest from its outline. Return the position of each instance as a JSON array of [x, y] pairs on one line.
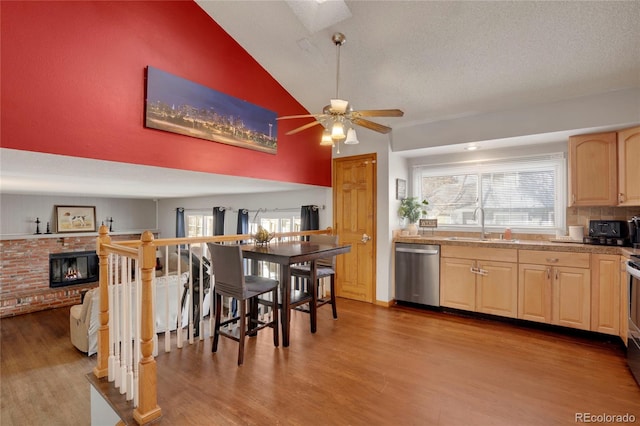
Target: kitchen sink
[[467, 239], [481, 240]]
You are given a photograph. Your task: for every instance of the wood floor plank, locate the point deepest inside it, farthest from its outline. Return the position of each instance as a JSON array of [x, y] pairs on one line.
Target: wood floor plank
[[373, 365]]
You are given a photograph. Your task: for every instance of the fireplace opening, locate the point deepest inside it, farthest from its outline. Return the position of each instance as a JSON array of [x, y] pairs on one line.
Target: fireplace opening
[[73, 268]]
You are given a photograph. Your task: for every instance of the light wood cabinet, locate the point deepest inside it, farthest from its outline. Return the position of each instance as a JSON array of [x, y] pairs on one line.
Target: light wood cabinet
[[624, 300], [605, 293], [555, 288], [497, 288], [457, 283], [480, 280], [571, 297], [534, 293], [593, 172], [629, 167]]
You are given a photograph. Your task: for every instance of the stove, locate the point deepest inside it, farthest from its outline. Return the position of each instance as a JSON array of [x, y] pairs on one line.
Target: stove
[[608, 233], [633, 334]]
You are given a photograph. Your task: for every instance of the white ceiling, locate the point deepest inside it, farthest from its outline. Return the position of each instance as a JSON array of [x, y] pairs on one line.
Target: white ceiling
[[434, 60]]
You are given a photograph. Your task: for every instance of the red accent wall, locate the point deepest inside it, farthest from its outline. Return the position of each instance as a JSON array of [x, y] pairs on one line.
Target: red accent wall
[[73, 84]]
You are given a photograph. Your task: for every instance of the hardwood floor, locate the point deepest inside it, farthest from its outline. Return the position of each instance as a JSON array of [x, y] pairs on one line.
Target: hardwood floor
[[372, 366]]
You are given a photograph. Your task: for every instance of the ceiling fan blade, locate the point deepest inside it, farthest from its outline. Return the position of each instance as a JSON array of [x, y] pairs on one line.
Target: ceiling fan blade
[[371, 125], [378, 113], [301, 128], [286, 117]]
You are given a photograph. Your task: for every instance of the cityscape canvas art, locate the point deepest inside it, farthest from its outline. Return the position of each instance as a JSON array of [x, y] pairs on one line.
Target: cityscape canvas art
[[177, 105]]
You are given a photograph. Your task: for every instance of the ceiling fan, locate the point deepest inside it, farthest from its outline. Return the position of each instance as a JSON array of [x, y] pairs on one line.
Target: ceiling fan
[[338, 116]]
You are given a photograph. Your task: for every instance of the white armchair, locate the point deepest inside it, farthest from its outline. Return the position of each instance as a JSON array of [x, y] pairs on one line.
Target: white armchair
[[84, 324], [84, 318]]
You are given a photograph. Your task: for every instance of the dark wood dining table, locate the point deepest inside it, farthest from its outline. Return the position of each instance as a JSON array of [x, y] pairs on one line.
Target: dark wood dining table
[[286, 254]]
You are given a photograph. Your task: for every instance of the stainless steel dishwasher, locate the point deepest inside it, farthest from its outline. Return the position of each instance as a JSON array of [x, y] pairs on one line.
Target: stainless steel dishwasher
[[417, 273]]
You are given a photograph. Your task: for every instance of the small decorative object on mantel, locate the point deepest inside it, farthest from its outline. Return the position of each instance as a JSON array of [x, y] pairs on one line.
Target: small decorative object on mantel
[[110, 220], [262, 237], [48, 229], [38, 226]]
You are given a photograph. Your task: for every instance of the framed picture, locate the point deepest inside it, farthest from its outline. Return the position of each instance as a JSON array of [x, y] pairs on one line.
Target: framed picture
[[401, 189], [75, 219], [174, 104]]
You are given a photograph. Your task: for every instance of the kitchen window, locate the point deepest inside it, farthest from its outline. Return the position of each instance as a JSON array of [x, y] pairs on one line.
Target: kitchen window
[[525, 194]]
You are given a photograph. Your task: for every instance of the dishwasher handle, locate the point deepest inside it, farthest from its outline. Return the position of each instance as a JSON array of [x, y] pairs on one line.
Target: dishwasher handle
[[415, 250]]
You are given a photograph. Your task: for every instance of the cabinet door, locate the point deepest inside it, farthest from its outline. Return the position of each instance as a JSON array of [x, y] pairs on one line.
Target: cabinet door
[[593, 172], [497, 288], [457, 284], [628, 170], [571, 297], [605, 293], [534, 293], [624, 300]]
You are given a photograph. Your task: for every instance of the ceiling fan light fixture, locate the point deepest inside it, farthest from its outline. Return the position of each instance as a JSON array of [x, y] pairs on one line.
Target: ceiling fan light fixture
[[339, 106], [352, 138], [337, 131], [339, 112], [326, 138]]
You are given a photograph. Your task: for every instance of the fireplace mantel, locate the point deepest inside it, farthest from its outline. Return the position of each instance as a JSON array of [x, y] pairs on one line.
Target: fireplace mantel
[[137, 232], [24, 270]]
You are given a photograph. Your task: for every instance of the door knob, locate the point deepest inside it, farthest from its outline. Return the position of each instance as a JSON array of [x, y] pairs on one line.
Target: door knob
[[365, 238]]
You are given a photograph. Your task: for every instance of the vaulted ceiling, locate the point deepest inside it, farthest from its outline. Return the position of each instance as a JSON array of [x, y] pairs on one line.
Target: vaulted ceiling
[[442, 62]]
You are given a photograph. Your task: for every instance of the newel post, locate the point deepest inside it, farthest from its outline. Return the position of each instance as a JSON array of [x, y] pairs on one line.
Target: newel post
[[101, 369], [148, 408]]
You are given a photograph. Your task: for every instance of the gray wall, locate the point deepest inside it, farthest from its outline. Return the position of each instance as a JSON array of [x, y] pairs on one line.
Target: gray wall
[[18, 212]]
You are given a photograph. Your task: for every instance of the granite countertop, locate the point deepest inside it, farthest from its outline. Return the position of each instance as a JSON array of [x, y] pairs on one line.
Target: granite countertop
[[519, 244]]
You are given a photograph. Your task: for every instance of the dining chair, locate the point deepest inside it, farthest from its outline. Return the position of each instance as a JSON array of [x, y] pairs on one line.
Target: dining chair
[[230, 281], [324, 268]]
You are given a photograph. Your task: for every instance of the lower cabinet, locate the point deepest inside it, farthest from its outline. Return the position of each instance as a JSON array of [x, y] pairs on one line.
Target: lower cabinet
[[552, 292], [578, 290], [605, 293], [479, 280]]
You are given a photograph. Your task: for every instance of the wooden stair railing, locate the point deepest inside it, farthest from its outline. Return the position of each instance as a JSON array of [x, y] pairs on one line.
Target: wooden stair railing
[[143, 252]]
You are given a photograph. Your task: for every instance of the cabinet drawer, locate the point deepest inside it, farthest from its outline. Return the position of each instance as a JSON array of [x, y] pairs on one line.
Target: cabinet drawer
[[482, 253], [555, 258]]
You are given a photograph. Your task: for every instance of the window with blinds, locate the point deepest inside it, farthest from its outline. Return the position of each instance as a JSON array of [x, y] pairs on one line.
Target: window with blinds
[[527, 194]]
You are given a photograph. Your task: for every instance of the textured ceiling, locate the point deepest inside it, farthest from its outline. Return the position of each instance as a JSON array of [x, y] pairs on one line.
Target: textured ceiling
[[436, 61]]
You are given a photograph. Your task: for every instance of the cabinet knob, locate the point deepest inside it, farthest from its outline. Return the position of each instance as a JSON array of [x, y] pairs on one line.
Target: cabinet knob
[[552, 259], [620, 198]]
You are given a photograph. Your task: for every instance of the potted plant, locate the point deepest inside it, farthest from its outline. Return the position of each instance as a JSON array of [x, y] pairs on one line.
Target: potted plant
[[411, 209]]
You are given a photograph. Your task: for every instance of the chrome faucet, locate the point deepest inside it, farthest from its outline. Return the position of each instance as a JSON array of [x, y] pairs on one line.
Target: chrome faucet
[[475, 213]]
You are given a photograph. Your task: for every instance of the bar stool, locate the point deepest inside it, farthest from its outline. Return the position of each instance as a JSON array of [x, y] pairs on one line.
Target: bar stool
[[324, 268], [230, 281]]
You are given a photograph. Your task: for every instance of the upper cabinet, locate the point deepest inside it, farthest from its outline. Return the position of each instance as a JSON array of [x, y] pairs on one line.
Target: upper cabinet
[[604, 169], [593, 170], [629, 167]]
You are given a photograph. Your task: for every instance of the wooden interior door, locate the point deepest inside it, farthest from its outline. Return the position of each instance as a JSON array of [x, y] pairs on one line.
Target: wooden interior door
[[354, 220]]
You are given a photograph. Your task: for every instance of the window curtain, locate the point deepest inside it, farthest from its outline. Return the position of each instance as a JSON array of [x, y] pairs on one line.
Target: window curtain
[[218, 220], [180, 225], [309, 219], [243, 221]]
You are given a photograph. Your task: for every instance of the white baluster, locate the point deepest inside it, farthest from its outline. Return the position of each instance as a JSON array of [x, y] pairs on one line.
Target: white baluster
[[110, 295]]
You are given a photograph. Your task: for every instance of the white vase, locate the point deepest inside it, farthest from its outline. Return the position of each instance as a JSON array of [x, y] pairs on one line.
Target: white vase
[[412, 228]]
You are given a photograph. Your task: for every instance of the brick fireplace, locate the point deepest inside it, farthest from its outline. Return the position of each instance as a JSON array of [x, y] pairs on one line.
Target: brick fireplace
[[24, 272]]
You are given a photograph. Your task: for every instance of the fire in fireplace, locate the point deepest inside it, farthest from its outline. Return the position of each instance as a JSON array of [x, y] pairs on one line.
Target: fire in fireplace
[[73, 268]]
